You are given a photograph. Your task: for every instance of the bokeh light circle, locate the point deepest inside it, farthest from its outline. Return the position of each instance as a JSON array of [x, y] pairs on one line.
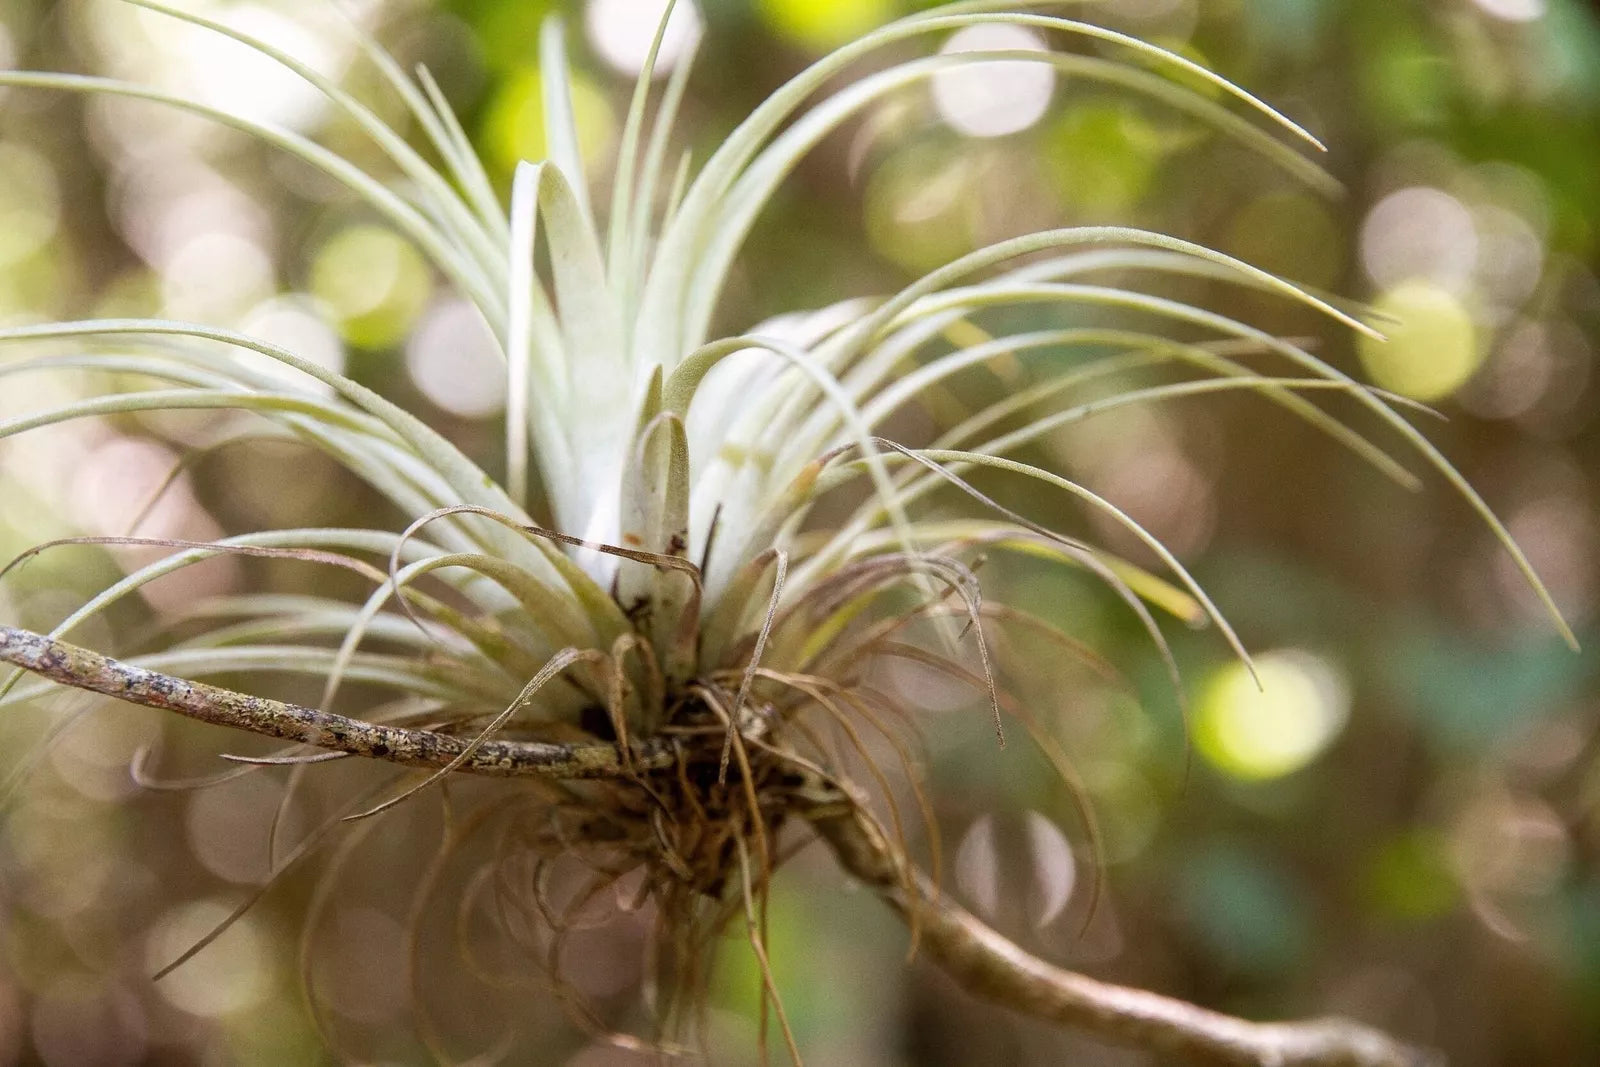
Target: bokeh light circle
[[1431, 345], [373, 281], [623, 30], [998, 98], [1261, 732]]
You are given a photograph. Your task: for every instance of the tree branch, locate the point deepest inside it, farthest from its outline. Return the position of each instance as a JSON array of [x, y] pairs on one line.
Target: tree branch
[[981, 960], [83, 669], [990, 966]]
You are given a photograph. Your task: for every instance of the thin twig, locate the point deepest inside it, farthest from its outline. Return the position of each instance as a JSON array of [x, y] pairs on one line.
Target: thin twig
[[990, 966], [83, 669]]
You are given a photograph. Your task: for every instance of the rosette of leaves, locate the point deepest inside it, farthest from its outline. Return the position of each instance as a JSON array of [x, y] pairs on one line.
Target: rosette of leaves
[[646, 615]]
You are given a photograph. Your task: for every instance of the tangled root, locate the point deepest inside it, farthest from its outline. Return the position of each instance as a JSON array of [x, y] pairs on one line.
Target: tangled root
[[697, 841]]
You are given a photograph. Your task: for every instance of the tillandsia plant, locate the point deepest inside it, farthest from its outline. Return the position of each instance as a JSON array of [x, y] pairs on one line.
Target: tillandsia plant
[[649, 623]]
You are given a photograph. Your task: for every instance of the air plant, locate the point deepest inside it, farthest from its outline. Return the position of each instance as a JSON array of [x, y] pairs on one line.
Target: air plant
[[645, 618]]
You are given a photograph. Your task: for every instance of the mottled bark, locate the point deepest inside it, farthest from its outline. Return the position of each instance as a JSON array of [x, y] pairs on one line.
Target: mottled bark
[[981, 960], [83, 669]]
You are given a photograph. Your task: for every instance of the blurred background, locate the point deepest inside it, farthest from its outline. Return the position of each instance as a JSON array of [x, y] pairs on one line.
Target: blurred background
[[1404, 825]]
